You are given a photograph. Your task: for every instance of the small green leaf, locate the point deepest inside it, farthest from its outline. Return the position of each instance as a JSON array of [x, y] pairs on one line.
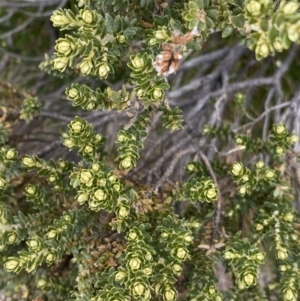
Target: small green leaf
[[109, 23], [227, 31], [238, 21]]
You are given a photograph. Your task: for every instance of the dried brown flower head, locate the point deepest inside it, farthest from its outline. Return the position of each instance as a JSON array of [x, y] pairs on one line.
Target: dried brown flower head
[[168, 61]]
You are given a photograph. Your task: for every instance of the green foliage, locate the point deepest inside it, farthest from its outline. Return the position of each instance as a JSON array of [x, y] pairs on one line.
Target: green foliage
[[89, 228]]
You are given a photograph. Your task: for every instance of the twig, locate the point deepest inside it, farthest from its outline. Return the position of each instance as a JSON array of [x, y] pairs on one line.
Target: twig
[[280, 106]]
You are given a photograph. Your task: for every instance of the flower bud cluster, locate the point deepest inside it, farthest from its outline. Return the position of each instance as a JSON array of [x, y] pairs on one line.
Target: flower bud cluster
[[175, 238], [136, 269], [201, 189], [131, 141], [56, 174], [252, 180], [87, 99], [281, 139], [275, 33], [83, 137], [173, 119], [244, 259], [199, 15], [85, 45], [30, 108], [148, 85], [100, 188]]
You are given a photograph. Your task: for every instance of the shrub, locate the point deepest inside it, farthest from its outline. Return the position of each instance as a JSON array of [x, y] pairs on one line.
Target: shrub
[[218, 200]]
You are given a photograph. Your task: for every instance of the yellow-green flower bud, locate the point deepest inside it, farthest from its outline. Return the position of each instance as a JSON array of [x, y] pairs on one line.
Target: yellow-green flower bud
[[2, 183], [138, 63], [11, 154], [277, 44], [279, 150], [239, 141], [290, 8], [98, 138], [243, 190], [121, 138], [103, 70], [161, 35], [59, 20], [190, 167], [34, 244], [86, 177], [11, 265], [245, 178], [181, 253], [258, 227], [28, 162], [254, 8], [73, 93], [164, 235], [169, 294], [188, 238], [237, 169], [100, 195], [51, 234], [102, 182], [293, 139], [88, 149], [269, 174], [86, 67], [138, 289], [120, 275], [177, 269], [259, 257], [282, 268], [112, 179], [262, 49], [50, 258], [147, 271], [195, 225], [294, 236], [52, 178], [132, 235], [229, 255], [266, 222], [211, 290], [116, 187], [157, 93], [211, 194], [289, 217], [95, 167], [12, 237], [87, 17], [152, 41], [289, 295], [82, 198], [148, 256], [249, 279], [41, 283], [126, 163], [64, 47], [121, 39], [293, 32], [123, 212], [280, 129], [60, 63], [259, 164], [282, 253], [69, 143], [135, 264], [140, 93]]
